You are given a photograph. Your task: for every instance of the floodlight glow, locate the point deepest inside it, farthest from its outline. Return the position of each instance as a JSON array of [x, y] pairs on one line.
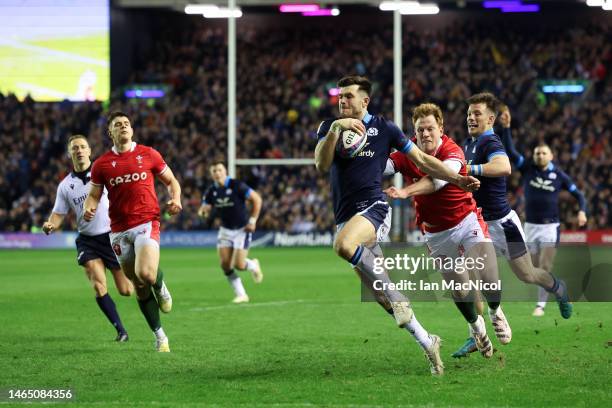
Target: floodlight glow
[[563, 88], [500, 4], [421, 9], [521, 8], [334, 91], [607, 5], [321, 13], [335, 11], [223, 13], [396, 5], [199, 8], [595, 3], [298, 8], [144, 93]]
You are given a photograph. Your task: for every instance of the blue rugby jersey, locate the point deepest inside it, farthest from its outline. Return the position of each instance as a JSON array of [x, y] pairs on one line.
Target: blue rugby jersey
[[356, 183], [229, 201], [491, 196], [542, 186]]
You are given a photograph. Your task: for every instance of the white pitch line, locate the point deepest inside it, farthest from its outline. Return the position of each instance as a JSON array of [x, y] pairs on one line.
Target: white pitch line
[[52, 52], [243, 305], [42, 89]]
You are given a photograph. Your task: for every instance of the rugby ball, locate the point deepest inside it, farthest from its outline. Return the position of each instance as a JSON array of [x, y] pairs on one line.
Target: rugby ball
[[350, 143]]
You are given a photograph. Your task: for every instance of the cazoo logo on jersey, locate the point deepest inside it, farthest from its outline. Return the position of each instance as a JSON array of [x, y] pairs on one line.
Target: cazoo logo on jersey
[[128, 178]]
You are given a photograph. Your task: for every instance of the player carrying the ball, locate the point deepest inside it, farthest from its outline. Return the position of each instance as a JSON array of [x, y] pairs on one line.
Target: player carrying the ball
[[362, 214]]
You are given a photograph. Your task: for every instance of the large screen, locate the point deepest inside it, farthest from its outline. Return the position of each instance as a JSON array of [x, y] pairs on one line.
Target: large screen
[[55, 49]]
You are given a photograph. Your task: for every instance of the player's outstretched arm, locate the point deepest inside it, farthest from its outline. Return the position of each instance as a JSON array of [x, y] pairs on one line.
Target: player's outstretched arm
[[422, 187], [324, 152], [255, 200], [91, 203], [438, 170], [498, 166], [53, 223], [506, 138], [173, 206]]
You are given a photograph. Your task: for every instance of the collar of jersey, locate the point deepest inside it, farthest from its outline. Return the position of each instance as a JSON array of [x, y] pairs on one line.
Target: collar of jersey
[[367, 118], [485, 133], [131, 149], [81, 174], [225, 183], [550, 166]]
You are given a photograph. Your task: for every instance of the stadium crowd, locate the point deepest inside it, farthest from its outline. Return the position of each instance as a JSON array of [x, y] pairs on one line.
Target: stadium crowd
[[284, 79]]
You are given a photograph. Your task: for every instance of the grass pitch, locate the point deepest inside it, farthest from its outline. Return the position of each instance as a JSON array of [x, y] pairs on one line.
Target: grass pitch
[[304, 340]]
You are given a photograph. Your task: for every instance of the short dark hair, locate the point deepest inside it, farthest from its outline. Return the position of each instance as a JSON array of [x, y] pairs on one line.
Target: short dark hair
[[74, 137], [113, 115], [363, 82], [217, 162], [492, 103]]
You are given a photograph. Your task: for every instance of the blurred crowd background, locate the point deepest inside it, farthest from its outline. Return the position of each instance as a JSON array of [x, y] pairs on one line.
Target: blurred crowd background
[[283, 92]]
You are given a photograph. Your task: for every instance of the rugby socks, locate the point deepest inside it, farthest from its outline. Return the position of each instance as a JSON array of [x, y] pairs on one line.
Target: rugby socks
[[150, 310], [250, 265], [418, 332], [468, 311], [363, 259], [542, 297], [558, 288], [235, 282], [160, 280], [107, 306], [160, 334]]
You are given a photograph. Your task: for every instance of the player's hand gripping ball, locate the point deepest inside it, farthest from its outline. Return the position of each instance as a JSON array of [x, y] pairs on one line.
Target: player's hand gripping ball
[[350, 143]]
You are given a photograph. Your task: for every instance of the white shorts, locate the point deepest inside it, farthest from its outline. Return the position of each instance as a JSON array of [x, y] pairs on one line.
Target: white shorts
[[456, 241], [508, 236], [541, 235], [233, 238], [379, 214], [126, 243]]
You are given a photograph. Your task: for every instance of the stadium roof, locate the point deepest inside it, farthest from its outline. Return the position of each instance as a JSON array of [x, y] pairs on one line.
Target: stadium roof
[[180, 4]]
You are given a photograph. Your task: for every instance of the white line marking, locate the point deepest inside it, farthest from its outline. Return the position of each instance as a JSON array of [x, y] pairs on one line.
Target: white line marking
[[55, 53]]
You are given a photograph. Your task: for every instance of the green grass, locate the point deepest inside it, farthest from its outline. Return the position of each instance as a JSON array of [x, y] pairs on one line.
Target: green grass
[[54, 72], [305, 339]]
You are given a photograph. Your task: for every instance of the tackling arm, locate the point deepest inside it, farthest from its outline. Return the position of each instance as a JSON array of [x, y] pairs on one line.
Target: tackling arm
[[424, 186], [498, 166], [437, 169]]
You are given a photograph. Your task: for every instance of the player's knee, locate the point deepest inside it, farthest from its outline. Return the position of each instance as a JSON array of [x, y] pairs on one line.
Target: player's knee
[[344, 248], [148, 274], [526, 277], [226, 266], [99, 288], [127, 290], [462, 295], [240, 265]]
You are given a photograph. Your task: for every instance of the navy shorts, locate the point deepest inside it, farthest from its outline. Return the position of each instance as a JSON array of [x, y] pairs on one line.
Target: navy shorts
[[96, 247]]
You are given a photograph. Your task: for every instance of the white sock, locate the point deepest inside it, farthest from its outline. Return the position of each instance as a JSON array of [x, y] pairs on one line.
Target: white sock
[[366, 265], [542, 297], [478, 325], [250, 265], [418, 332], [159, 333], [236, 283]]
